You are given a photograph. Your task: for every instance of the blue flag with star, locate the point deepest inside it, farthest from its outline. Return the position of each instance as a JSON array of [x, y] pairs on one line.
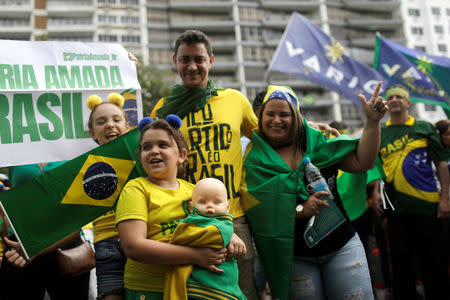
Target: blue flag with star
[[306, 51], [426, 76]]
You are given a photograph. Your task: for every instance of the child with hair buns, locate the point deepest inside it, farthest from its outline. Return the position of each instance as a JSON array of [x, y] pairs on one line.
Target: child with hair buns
[[209, 225], [149, 209], [108, 121]]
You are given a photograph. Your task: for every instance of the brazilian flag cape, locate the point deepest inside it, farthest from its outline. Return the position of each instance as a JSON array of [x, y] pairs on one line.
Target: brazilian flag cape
[[269, 192], [49, 207]]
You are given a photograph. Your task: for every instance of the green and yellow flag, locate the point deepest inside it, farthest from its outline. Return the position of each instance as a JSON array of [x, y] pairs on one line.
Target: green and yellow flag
[[62, 200]]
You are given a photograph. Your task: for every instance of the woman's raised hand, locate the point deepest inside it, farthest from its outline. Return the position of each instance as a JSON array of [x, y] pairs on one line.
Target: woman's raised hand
[[375, 108]]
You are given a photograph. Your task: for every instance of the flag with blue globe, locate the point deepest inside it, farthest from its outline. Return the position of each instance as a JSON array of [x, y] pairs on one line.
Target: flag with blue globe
[[61, 201]]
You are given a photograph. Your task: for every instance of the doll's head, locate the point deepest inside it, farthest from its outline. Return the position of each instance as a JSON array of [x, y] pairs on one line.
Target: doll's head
[[210, 196]]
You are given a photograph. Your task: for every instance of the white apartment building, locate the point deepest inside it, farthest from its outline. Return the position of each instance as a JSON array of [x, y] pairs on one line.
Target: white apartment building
[[244, 34], [427, 28]]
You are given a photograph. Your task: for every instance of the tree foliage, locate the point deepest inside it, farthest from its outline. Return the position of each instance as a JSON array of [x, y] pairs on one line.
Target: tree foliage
[[155, 83]]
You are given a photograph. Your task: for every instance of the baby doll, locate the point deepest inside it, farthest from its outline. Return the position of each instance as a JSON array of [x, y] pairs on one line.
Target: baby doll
[[208, 225]]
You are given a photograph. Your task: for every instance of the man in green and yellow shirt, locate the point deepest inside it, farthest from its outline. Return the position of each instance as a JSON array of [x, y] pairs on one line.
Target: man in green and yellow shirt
[[408, 148]]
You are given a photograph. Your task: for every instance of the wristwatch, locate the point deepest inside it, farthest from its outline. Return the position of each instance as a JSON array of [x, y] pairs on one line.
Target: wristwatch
[[299, 210]]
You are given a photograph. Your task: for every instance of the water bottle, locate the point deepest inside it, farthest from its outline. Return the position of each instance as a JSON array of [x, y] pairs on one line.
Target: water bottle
[[316, 182], [319, 226]]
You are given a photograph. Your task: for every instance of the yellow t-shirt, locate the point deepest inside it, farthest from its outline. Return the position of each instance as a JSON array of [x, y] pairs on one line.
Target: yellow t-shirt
[[105, 227], [213, 137], [162, 210]]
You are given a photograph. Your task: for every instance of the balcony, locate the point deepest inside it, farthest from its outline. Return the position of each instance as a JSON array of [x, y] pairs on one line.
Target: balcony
[[20, 36], [157, 26], [160, 46], [302, 6], [371, 6], [70, 8], [368, 43], [15, 29], [15, 8], [201, 6], [73, 29], [374, 24], [224, 45], [205, 26], [281, 23], [225, 66], [70, 37], [15, 25], [276, 24]]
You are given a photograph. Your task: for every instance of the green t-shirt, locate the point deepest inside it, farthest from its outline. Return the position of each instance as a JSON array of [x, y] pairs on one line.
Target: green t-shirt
[[23, 173], [407, 151]]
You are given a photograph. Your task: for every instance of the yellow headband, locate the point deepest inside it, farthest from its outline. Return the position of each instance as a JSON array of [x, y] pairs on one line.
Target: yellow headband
[[281, 92], [397, 90]]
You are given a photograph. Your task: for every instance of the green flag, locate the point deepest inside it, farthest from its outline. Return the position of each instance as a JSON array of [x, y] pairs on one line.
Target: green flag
[[269, 194], [352, 189], [62, 200]]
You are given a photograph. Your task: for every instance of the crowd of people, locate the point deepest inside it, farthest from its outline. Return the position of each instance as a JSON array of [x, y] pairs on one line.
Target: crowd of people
[[189, 228]]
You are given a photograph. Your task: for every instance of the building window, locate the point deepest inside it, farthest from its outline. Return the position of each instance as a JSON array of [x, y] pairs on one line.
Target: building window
[[448, 12], [107, 19], [417, 30], [131, 39], [438, 29], [129, 2], [55, 21], [421, 48], [414, 12], [107, 38], [130, 20], [435, 11], [442, 48], [107, 1]]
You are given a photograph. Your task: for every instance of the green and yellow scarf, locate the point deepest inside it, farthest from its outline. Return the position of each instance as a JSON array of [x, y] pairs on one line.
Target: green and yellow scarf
[[183, 100]]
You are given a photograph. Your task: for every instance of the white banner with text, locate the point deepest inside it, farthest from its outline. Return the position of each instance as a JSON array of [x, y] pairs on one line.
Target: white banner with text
[[43, 91]]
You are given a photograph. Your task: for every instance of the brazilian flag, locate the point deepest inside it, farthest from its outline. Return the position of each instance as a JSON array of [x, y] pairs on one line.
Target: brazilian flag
[[51, 206], [269, 193]]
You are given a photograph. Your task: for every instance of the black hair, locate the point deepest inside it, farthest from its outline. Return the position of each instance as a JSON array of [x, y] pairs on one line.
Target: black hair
[[442, 126], [191, 37], [258, 101]]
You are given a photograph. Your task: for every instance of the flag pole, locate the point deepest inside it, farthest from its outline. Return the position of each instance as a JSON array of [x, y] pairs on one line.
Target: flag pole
[[15, 232]]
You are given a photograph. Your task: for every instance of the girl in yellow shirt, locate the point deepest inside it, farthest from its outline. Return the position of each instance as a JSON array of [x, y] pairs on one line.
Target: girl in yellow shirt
[[150, 208], [108, 121]]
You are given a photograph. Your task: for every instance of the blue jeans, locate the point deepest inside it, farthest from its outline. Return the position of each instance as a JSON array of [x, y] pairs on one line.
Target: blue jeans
[[343, 274], [110, 265]]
